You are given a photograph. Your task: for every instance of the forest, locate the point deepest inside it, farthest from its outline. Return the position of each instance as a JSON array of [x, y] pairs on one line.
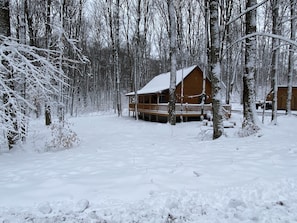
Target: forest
[[69, 57]]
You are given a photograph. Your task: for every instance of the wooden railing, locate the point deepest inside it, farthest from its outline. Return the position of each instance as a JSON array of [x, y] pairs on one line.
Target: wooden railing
[[187, 110]]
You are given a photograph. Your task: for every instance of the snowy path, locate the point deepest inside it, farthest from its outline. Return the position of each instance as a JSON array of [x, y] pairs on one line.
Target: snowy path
[[142, 170]]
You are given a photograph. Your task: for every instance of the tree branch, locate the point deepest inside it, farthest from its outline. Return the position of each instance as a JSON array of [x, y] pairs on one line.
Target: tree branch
[[247, 10]]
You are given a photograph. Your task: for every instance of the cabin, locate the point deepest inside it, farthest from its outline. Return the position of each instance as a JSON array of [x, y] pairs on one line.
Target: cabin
[[282, 92], [193, 97]]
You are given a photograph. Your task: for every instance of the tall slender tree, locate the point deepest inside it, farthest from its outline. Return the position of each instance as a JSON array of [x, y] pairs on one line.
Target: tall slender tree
[[215, 69], [137, 56], [4, 18], [293, 15], [48, 33], [8, 96], [173, 42], [60, 43], [250, 122], [116, 55], [275, 57]]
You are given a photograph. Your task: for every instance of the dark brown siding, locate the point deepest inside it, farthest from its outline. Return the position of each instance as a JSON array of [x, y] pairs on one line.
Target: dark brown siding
[[282, 98], [193, 85]]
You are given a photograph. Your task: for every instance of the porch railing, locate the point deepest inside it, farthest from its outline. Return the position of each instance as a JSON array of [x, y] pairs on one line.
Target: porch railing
[[186, 110]]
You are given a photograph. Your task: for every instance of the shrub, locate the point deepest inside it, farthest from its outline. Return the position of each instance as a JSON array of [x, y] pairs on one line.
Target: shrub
[[62, 136]]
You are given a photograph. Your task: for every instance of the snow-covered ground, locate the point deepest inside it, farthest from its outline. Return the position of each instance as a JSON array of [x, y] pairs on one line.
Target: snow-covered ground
[[135, 171]]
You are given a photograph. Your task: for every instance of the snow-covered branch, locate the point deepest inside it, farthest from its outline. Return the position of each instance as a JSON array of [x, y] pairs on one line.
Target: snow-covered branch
[[247, 10], [285, 39], [25, 74]]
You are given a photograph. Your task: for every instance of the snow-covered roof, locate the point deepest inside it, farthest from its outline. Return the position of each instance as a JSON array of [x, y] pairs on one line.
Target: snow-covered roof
[[162, 81]]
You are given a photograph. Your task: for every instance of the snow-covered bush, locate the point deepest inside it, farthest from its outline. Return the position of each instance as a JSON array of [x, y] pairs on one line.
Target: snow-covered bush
[[62, 137]]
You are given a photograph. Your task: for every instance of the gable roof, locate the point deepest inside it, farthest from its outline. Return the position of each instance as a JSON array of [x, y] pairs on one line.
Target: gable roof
[[162, 81]]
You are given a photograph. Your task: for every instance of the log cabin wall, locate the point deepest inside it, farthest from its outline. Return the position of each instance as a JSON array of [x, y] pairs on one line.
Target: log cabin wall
[[282, 98], [193, 85]]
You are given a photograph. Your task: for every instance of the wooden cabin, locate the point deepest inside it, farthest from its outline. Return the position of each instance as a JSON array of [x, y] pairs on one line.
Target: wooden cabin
[[282, 93], [154, 96]]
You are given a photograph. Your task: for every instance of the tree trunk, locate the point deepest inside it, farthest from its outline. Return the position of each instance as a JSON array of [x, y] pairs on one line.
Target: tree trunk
[[22, 31], [137, 56], [61, 111], [275, 56], [215, 69], [229, 66], [116, 54], [250, 122], [291, 57], [48, 31], [48, 117], [29, 18], [206, 71], [8, 96], [4, 18], [172, 87]]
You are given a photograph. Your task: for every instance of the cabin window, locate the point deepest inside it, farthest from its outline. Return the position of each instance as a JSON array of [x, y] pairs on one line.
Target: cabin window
[[154, 99], [162, 99], [146, 100]]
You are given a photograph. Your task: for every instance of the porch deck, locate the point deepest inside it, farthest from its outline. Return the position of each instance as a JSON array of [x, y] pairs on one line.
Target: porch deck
[[182, 110]]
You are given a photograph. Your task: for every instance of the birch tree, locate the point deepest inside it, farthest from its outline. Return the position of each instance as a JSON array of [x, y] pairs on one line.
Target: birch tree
[[137, 56], [114, 26], [250, 121], [229, 70], [48, 32], [116, 55], [293, 15], [172, 87], [275, 57], [215, 69]]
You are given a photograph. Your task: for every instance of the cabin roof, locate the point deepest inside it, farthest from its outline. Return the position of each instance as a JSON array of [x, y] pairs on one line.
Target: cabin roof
[[162, 81]]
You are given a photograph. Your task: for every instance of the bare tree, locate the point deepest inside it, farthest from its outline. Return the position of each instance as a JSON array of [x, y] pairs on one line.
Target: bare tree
[[215, 69], [114, 26], [137, 56], [172, 87], [229, 67], [8, 79], [293, 16], [250, 122], [48, 32], [4, 18], [275, 57], [116, 55]]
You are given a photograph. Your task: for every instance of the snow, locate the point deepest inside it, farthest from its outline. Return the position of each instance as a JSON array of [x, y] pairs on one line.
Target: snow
[[125, 170]]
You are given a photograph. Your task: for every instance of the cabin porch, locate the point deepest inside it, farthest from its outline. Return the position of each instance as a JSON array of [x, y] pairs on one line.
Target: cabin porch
[[185, 111]]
